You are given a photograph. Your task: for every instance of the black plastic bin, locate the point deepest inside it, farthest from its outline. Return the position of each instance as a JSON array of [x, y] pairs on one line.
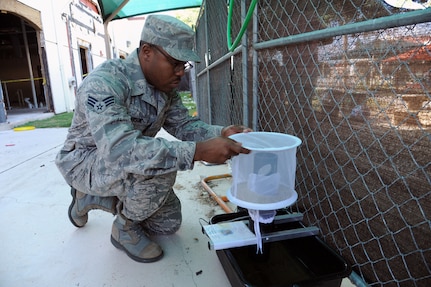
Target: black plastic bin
[[306, 261]]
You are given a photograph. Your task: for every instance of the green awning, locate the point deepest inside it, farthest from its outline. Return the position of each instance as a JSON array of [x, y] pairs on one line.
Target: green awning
[[119, 9]]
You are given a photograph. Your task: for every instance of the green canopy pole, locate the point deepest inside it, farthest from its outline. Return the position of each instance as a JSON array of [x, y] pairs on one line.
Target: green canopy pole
[[105, 25]]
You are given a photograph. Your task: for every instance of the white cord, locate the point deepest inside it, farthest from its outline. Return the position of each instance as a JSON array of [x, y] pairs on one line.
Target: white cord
[[260, 216]]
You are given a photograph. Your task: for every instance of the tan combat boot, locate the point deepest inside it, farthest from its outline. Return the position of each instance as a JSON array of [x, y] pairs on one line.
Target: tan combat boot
[[82, 203], [130, 237]]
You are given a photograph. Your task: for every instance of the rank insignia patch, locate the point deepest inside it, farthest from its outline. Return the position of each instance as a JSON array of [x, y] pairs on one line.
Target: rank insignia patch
[[100, 106]]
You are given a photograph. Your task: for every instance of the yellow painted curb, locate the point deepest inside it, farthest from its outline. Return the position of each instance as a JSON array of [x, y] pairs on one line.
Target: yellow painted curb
[[25, 128]]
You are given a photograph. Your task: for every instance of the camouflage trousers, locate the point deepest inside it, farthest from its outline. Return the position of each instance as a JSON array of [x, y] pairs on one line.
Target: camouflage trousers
[[148, 199]]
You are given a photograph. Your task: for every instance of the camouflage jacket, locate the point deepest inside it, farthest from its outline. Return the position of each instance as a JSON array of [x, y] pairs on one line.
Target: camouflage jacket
[[118, 114]]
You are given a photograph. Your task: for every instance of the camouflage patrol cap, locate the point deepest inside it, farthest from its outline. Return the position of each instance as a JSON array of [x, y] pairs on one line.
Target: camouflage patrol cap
[[174, 36]]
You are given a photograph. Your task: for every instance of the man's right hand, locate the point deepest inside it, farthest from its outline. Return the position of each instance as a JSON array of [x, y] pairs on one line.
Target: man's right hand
[[218, 150]]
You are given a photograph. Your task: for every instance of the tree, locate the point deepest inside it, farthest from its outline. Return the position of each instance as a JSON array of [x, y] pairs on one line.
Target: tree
[[188, 16]]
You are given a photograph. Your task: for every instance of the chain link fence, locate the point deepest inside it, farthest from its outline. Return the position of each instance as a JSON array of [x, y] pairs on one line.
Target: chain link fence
[[352, 79]]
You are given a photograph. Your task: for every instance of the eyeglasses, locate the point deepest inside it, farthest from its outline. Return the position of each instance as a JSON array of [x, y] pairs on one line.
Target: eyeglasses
[[178, 65]]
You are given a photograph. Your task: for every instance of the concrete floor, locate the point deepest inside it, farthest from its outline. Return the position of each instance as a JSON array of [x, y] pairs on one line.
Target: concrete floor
[[42, 248]]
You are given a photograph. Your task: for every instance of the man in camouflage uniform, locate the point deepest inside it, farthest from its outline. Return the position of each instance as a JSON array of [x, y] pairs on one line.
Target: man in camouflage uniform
[[111, 157]]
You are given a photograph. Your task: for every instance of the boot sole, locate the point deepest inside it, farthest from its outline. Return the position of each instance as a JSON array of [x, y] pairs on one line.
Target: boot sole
[[136, 258], [69, 213]]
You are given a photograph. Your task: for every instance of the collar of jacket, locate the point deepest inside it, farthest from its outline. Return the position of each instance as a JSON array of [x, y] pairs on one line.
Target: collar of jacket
[[140, 86]]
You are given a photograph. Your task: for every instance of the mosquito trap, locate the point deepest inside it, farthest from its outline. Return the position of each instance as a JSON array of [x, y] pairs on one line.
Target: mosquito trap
[[264, 179], [262, 244]]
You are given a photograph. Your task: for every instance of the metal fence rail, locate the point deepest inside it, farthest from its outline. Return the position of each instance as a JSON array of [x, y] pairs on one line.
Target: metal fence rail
[[352, 79]]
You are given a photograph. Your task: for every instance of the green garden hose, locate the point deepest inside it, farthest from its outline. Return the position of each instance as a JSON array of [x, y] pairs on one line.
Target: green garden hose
[[231, 46]]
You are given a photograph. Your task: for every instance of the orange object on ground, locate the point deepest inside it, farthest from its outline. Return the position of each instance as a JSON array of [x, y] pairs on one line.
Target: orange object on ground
[[220, 200]]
